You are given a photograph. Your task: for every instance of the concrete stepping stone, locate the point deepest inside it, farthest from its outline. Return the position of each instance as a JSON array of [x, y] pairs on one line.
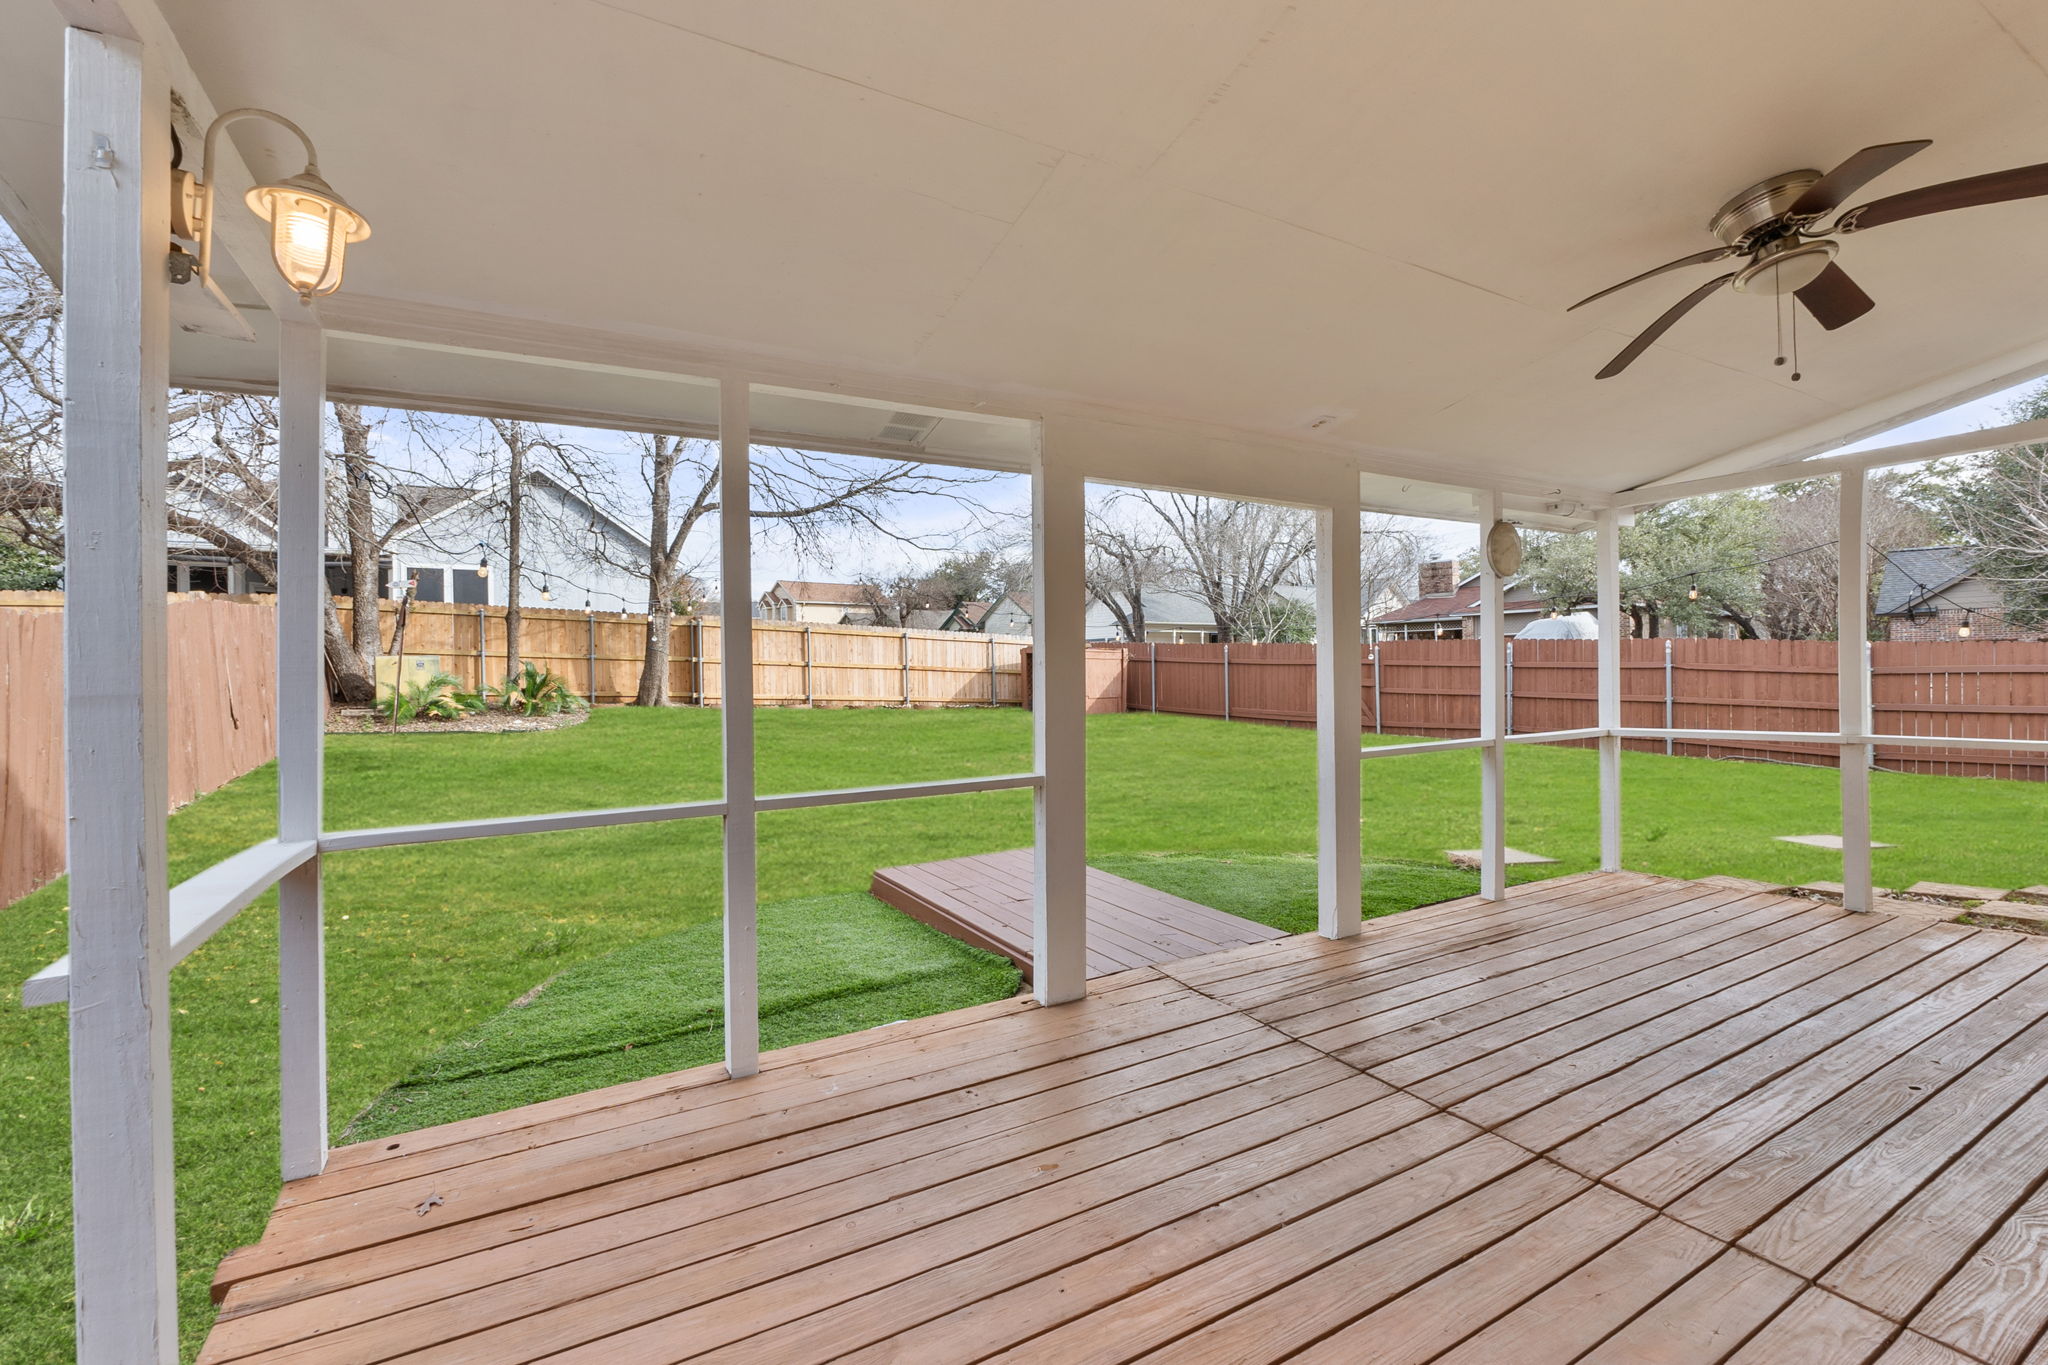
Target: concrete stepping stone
[[2017, 914], [1833, 841], [1513, 857], [1955, 893]]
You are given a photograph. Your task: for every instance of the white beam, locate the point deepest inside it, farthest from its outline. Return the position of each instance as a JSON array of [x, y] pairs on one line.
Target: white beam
[[1607, 594], [1852, 673], [199, 906], [301, 725], [1059, 914], [116, 362], [348, 840], [1884, 457], [1340, 677], [897, 791], [736, 726], [1493, 651]]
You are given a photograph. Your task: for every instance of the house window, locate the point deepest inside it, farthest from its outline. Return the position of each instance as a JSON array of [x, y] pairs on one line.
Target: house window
[[207, 578], [430, 585], [470, 588]]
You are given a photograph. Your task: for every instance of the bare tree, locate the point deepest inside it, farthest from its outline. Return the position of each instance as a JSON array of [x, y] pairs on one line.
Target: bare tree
[[1129, 557], [1799, 575], [1234, 555], [1391, 552], [803, 495], [1998, 503]]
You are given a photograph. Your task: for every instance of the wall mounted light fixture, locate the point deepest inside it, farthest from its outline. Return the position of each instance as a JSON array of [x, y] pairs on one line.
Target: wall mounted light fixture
[[311, 226]]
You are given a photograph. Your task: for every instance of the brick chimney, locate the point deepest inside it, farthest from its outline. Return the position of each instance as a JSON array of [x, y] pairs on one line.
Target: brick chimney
[[1438, 578]]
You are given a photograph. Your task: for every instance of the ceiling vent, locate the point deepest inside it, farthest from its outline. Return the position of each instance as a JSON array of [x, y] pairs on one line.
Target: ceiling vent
[[908, 428]]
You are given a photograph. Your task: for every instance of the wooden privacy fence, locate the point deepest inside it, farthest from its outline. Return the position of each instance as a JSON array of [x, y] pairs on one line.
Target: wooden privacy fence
[[222, 701], [1975, 689], [600, 653]]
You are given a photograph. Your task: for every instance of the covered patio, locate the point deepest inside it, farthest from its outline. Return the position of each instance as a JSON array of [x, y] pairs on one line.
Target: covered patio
[[1317, 254]]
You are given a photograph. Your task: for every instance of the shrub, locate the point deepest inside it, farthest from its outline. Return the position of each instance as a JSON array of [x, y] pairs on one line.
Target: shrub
[[437, 698], [535, 691]]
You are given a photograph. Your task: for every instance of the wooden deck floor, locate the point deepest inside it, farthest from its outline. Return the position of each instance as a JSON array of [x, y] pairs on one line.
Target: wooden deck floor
[[986, 900], [1618, 1119]]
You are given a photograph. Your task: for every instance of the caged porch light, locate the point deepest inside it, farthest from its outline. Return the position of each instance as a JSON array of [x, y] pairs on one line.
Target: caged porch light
[[311, 226]]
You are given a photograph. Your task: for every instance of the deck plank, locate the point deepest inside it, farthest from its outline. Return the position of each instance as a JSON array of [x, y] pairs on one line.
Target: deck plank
[[986, 900], [1445, 1140]]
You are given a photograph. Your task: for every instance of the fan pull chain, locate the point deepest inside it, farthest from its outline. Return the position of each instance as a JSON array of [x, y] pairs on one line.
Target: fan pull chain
[[1778, 316], [1793, 308]]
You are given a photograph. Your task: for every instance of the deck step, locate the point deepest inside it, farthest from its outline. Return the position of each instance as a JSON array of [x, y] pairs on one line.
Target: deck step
[[985, 900]]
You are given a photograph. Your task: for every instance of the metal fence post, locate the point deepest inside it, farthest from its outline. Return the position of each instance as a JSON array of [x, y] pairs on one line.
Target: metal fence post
[[1511, 687], [1377, 727], [697, 660], [809, 696], [906, 668], [1152, 668], [590, 654], [994, 695], [1668, 742], [483, 660], [1226, 682]]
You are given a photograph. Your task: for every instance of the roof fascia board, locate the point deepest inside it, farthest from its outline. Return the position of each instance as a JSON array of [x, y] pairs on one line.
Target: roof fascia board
[[1874, 419], [499, 335], [1912, 452]]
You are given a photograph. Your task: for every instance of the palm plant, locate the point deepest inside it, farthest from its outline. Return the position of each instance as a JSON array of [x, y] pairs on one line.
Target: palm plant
[[437, 698], [535, 691]]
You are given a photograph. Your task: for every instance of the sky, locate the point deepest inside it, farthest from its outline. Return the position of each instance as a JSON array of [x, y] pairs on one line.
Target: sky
[[1004, 505]]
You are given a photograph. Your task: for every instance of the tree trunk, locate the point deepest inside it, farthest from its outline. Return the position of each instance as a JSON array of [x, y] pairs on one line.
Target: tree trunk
[[353, 682], [515, 509], [653, 690], [359, 511]]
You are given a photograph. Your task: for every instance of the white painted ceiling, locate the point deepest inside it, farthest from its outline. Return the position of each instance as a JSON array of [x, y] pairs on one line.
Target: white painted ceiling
[[1247, 213]]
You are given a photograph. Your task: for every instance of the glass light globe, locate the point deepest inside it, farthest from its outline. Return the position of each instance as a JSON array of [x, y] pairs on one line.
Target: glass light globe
[[310, 229]]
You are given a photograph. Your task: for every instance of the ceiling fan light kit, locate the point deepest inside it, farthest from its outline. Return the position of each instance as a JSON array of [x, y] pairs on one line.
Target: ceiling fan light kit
[[1775, 223]]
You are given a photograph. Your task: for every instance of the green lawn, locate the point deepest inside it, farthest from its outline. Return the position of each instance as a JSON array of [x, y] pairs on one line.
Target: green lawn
[[429, 944]]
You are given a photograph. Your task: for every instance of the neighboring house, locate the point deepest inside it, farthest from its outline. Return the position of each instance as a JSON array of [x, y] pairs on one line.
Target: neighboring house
[[820, 604], [1171, 618], [574, 553], [1011, 615], [968, 616], [1446, 608], [1933, 592]]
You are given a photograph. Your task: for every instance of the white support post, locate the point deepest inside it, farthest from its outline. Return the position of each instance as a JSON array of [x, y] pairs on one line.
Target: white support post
[[1340, 678], [1059, 700], [116, 748], [1493, 871], [1607, 594], [736, 723], [1852, 671], [301, 717]]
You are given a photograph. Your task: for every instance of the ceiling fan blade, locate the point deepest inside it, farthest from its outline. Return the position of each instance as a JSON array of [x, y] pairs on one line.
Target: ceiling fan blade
[[2021, 182], [1649, 334], [1827, 194], [1719, 253], [1833, 298]]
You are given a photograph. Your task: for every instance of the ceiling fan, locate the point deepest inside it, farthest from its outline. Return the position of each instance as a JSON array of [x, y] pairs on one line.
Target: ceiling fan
[[1775, 223]]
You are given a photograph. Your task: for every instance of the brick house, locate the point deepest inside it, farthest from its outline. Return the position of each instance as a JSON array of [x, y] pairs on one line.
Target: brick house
[[1446, 608], [1933, 592]]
